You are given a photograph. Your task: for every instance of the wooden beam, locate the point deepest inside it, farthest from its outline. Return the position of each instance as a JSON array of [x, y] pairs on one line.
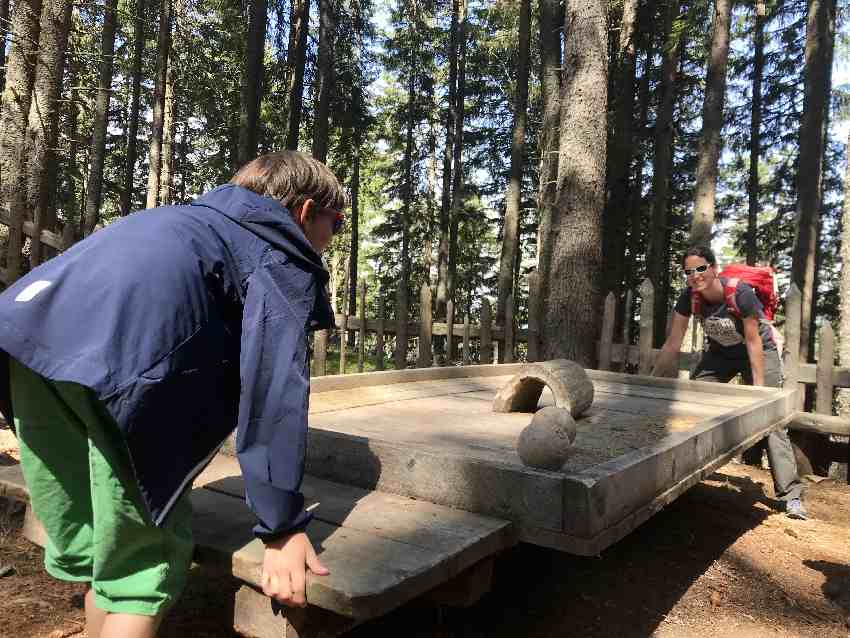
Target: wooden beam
[[820, 423]]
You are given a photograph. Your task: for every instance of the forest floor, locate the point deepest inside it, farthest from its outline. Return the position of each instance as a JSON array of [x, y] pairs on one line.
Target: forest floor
[[719, 562]]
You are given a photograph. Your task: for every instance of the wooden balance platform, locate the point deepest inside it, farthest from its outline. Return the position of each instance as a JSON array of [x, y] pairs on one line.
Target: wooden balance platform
[[417, 484]]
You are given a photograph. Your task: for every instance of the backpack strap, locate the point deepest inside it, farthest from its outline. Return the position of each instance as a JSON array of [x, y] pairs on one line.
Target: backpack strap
[[730, 292]]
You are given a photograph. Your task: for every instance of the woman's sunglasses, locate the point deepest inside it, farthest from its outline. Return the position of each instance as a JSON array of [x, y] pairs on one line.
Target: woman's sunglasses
[[698, 270]]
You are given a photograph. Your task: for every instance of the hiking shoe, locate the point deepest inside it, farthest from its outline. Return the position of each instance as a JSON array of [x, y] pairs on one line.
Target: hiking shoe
[[794, 509]]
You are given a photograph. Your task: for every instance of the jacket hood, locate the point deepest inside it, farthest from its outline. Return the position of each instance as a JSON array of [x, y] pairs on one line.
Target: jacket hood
[[266, 218]]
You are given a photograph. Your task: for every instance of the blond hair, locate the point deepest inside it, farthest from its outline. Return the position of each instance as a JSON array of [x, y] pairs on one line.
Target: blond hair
[[292, 178]]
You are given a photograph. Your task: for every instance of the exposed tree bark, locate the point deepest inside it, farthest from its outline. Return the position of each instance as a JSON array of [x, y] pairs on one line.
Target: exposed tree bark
[[809, 174], [448, 154], [162, 61], [573, 289], [252, 80], [657, 242], [620, 151], [355, 227], [71, 205], [457, 161], [43, 121], [133, 130], [551, 23], [712, 125], [169, 110], [4, 23], [510, 234], [325, 78], [101, 115], [17, 94], [755, 134], [300, 25]]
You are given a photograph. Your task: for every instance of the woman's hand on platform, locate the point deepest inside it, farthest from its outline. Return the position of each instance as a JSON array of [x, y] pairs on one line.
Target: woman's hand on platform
[[285, 565]]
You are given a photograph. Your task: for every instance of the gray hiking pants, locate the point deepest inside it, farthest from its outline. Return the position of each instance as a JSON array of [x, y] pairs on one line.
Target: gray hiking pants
[[783, 465]]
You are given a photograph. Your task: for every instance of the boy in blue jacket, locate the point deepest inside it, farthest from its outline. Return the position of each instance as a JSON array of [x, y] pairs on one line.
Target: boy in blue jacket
[[126, 361]]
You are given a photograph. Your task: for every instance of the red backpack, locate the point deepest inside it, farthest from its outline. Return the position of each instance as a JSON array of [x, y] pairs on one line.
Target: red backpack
[[759, 277]]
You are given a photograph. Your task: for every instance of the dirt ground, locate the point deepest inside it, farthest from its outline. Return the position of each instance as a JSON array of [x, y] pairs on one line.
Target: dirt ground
[[719, 562]]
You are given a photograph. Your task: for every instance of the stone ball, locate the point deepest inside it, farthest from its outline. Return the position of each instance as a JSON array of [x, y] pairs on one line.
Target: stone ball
[[547, 441]]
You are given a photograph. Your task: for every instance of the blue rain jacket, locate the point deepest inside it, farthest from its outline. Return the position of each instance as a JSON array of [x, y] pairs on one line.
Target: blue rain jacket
[[186, 321]]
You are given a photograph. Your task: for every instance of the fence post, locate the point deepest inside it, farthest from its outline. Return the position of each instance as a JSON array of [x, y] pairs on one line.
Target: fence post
[[320, 352], [647, 307], [379, 334], [425, 319], [361, 343], [508, 332], [606, 339], [533, 316], [826, 358], [450, 332], [466, 340], [486, 332], [627, 328], [401, 328], [792, 343], [343, 341]]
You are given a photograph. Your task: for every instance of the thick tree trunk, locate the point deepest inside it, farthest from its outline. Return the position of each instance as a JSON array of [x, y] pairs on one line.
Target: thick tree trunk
[[300, 25], [712, 125], [457, 161], [657, 242], [355, 228], [17, 94], [4, 24], [550, 80], [72, 206], [448, 154], [325, 79], [162, 62], [574, 278], [133, 129], [620, 152], [101, 116], [755, 134], [43, 122], [510, 234], [169, 112], [252, 81], [809, 174]]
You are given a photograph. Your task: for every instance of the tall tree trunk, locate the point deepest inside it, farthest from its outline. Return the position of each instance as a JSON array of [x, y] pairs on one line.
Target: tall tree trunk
[[133, 132], [550, 80], [843, 397], [657, 243], [809, 173], [300, 25], [712, 125], [252, 80], [325, 73], [355, 227], [573, 290], [635, 203], [755, 134], [43, 122], [101, 117], [162, 61], [169, 110], [510, 235], [448, 154], [457, 160], [620, 151], [17, 94], [72, 206], [4, 23]]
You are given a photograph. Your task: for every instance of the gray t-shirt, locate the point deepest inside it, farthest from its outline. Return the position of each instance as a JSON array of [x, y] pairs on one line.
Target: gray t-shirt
[[724, 332]]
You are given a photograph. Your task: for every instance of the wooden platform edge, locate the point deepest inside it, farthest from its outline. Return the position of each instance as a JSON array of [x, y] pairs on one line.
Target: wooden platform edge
[[594, 545]]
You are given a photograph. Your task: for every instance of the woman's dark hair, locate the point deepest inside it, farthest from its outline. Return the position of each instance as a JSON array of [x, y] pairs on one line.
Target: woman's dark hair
[[700, 251]]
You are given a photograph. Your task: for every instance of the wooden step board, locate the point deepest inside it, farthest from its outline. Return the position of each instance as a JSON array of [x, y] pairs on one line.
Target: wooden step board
[[382, 550]]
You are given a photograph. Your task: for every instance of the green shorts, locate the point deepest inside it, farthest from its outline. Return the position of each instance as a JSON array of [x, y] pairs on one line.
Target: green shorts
[[83, 491]]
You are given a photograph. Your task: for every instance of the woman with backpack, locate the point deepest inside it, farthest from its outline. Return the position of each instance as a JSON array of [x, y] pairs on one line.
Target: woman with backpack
[[735, 313]]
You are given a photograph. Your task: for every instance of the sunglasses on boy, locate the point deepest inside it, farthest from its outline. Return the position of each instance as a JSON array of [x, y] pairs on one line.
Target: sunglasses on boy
[[698, 270], [337, 216]]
